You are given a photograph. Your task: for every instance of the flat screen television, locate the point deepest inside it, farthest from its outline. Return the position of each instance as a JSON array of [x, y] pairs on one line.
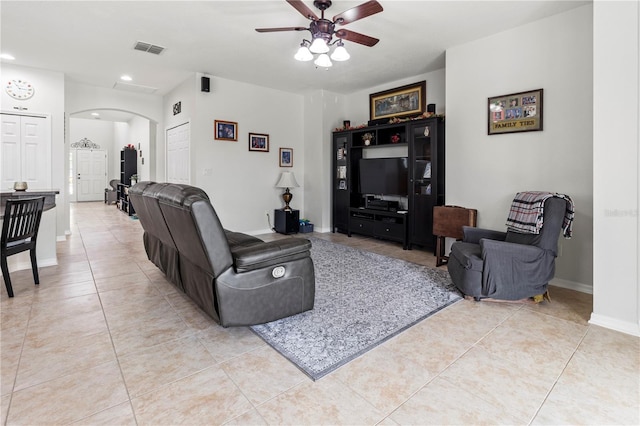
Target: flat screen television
[[384, 176]]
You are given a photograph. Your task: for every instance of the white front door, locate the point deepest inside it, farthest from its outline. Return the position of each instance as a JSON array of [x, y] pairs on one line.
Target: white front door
[[91, 174], [25, 153]]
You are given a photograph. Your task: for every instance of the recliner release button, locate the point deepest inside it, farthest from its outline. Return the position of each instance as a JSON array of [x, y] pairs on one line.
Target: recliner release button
[[278, 272]]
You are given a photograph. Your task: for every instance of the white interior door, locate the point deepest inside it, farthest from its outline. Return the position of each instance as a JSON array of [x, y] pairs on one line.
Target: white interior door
[[11, 151], [178, 154], [91, 174], [25, 153]]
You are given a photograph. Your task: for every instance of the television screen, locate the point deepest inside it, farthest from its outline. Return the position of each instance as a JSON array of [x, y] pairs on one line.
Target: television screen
[[384, 176]]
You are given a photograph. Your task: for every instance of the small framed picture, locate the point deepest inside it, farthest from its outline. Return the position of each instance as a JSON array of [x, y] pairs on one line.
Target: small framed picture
[[226, 130], [258, 142], [286, 157]]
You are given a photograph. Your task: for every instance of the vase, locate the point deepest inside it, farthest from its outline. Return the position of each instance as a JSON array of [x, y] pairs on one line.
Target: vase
[[367, 142]]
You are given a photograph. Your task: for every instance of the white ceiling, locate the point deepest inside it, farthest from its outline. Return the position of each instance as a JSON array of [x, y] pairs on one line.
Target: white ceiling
[[92, 41]]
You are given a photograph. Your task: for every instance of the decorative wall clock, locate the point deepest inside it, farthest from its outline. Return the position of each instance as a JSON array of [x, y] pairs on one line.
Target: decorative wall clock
[[19, 89]]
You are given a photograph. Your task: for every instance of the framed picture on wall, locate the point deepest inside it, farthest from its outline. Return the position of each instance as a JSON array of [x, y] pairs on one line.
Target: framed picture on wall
[[516, 112], [258, 142], [401, 101], [226, 130], [286, 157]]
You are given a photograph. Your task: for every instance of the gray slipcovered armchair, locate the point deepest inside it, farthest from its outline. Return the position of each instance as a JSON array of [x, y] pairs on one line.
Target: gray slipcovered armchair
[[510, 265], [236, 278], [111, 194]]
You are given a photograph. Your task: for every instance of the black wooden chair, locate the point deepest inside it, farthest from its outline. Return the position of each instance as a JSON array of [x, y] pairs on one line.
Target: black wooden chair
[[19, 233]]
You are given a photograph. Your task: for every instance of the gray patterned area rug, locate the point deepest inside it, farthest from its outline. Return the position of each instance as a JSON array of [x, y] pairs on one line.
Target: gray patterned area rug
[[362, 299]]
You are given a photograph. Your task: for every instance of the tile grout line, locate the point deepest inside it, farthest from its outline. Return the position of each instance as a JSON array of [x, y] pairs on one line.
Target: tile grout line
[[557, 379], [113, 348]]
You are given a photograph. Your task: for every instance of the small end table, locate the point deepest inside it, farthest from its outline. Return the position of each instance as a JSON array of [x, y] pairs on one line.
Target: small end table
[[287, 221]]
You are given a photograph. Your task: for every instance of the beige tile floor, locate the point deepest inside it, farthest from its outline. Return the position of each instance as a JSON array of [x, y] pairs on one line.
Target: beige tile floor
[[105, 339]]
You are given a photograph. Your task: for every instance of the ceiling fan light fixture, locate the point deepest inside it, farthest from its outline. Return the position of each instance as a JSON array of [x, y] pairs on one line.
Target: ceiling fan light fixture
[[319, 46], [340, 53], [303, 54], [323, 61]]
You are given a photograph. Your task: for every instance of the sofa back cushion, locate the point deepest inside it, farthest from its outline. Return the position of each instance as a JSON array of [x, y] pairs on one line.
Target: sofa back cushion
[[144, 198], [195, 227]]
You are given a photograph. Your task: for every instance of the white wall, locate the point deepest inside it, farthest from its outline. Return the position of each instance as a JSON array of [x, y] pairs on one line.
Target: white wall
[[99, 132], [139, 137], [120, 139], [48, 99], [322, 110], [355, 108], [240, 183], [80, 97], [185, 93], [357, 103], [484, 172], [616, 132]]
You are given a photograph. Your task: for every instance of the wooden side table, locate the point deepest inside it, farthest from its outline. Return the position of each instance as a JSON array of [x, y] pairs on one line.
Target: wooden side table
[[448, 222]]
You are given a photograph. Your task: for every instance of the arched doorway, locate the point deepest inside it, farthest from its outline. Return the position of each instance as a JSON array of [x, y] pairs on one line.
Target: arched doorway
[[111, 129]]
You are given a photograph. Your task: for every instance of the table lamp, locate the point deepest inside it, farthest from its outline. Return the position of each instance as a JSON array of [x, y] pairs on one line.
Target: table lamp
[[287, 180]]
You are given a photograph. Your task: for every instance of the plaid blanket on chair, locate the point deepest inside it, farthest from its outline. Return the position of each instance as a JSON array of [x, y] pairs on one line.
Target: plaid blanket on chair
[[527, 212]]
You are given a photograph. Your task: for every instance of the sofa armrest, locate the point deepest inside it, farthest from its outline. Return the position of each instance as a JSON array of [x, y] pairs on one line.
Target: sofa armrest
[[474, 235], [269, 254]]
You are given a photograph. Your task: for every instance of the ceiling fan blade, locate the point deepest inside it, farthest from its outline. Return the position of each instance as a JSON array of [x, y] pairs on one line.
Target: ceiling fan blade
[[365, 9], [356, 37], [271, 30], [303, 9]]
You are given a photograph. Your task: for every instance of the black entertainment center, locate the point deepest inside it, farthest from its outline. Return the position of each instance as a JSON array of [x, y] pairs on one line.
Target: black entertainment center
[[386, 186]]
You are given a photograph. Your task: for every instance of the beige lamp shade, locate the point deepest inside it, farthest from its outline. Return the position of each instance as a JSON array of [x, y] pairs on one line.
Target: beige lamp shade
[[287, 180]]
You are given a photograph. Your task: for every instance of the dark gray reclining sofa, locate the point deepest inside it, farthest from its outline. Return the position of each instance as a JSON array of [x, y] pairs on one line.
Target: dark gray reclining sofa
[[235, 278]]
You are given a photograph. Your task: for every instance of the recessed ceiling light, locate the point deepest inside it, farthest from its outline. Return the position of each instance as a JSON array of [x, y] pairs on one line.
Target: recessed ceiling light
[[95, 114], [7, 57], [125, 78]]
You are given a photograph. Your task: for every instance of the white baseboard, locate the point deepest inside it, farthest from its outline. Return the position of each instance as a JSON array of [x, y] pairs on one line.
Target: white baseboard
[[22, 265], [259, 232], [615, 324], [572, 285]]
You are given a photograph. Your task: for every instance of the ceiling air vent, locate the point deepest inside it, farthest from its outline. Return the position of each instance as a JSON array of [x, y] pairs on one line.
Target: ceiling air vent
[[148, 47]]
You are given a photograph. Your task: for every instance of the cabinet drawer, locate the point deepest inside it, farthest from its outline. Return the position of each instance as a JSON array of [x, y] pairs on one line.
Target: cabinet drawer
[[390, 230], [363, 226]]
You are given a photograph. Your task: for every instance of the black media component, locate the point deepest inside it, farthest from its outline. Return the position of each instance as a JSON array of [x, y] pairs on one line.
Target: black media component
[[431, 108], [205, 83], [388, 206], [384, 176], [287, 221]]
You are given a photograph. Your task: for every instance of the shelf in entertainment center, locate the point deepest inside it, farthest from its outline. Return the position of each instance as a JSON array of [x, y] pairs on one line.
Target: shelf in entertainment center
[[380, 224], [384, 145]]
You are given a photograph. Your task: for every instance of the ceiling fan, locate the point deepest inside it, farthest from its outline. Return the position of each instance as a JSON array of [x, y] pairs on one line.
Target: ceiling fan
[[324, 30]]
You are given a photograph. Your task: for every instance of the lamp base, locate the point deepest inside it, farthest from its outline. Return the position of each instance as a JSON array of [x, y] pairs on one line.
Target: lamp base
[[287, 196]]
